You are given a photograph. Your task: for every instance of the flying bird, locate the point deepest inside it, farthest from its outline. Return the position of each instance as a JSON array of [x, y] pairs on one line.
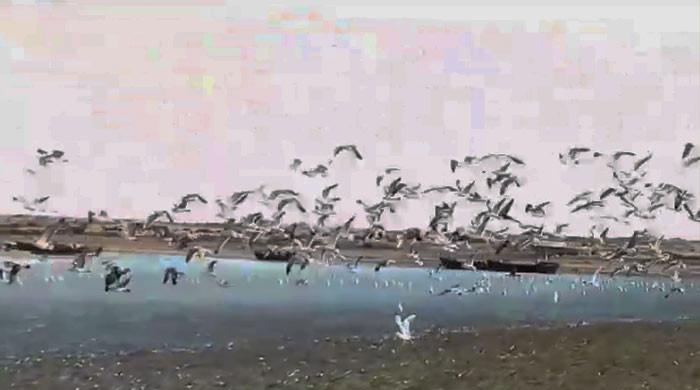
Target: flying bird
[[155, 216], [296, 163], [347, 148], [536, 210], [290, 201], [686, 150], [302, 261], [404, 325], [639, 163], [383, 264], [197, 251]]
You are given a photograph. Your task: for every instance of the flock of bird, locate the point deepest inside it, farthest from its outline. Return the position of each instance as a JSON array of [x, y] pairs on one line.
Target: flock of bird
[[639, 197]]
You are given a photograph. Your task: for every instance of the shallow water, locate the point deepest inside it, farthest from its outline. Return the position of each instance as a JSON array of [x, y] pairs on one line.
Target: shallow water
[[73, 313]]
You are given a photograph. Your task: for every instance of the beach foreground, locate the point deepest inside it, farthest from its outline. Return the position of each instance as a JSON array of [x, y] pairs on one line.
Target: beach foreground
[[600, 356]]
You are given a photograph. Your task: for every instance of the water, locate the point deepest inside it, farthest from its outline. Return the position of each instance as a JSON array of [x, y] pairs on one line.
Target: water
[[73, 313]]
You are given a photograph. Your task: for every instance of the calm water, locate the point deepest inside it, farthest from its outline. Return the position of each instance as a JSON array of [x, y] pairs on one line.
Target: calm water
[[73, 313]]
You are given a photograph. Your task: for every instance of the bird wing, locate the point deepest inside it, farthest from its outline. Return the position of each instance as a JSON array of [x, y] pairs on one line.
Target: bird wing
[[338, 149], [632, 241], [299, 206], [642, 161], [692, 161], [356, 152], [686, 149], [79, 261], [190, 254], [327, 190], [399, 322], [48, 234], [222, 244]]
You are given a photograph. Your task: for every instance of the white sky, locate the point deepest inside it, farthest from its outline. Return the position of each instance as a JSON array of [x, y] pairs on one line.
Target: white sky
[[402, 111]]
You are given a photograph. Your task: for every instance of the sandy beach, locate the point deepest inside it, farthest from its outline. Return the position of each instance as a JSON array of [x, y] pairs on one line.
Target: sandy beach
[[601, 356]]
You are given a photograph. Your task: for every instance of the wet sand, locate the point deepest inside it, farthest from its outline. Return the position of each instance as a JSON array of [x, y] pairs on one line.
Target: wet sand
[[601, 356]]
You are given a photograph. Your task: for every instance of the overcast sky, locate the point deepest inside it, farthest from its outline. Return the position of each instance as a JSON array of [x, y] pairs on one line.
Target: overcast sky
[[153, 102]]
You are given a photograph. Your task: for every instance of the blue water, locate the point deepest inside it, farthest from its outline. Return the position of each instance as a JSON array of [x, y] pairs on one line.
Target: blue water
[[61, 311]]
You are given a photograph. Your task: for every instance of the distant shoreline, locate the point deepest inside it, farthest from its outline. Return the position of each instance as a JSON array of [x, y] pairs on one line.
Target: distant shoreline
[[236, 249]]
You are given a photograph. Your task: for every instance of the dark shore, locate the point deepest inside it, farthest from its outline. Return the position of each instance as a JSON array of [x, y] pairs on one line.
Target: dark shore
[[600, 356]]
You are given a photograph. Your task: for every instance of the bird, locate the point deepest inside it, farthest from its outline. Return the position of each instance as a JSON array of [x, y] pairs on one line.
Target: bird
[[45, 241], [514, 159], [560, 228], [154, 216], [693, 217], [296, 163], [293, 201], [536, 210], [454, 164], [197, 251], [595, 279], [456, 289], [347, 148], [283, 192], [326, 191], [302, 261], [353, 267], [117, 279], [507, 182], [579, 197], [181, 206], [46, 158], [10, 271], [320, 169], [404, 325], [383, 264], [387, 171], [172, 274], [639, 163], [687, 148], [30, 204], [587, 206], [617, 155], [572, 154], [210, 266], [78, 263], [691, 161]]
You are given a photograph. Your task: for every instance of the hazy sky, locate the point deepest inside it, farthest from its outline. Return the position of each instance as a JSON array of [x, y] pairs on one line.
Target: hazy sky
[[152, 102]]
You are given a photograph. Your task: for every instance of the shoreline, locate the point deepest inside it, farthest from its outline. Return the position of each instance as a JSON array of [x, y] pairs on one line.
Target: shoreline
[[569, 264]]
